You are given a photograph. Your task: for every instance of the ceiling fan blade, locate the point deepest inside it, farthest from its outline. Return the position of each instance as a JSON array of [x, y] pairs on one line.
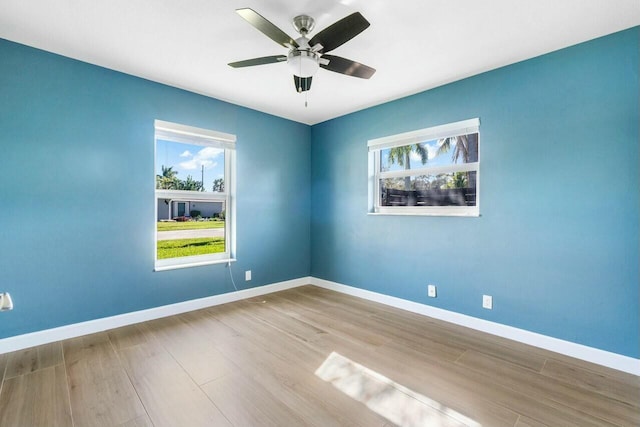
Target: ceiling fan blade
[[302, 83], [259, 61], [340, 32], [347, 66], [266, 27]]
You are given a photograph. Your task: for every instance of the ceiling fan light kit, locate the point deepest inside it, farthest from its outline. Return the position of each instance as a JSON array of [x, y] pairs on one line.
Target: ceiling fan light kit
[[303, 63], [305, 55]]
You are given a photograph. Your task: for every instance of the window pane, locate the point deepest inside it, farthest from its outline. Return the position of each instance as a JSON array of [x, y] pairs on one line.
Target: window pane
[[189, 228], [438, 152], [450, 189], [182, 166]]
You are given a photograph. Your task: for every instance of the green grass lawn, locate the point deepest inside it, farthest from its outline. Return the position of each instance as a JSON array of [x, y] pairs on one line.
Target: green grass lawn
[[188, 247], [189, 225]]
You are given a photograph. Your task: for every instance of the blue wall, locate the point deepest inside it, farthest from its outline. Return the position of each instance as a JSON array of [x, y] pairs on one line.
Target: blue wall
[[557, 241], [77, 189]]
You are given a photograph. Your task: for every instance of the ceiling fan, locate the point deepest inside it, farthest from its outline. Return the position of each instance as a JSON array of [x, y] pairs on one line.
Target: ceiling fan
[[307, 55]]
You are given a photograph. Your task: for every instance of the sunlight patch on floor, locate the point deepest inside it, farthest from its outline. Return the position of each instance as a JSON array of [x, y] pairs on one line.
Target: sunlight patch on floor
[[387, 398]]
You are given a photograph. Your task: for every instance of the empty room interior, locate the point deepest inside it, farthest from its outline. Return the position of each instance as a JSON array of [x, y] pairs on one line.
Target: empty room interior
[[335, 213]]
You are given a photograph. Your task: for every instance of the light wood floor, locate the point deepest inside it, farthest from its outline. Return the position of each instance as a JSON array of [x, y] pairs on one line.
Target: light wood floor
[[306, 356]]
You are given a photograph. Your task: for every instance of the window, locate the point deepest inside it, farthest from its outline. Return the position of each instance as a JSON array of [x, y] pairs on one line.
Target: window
[[194, 196], [433, 171]]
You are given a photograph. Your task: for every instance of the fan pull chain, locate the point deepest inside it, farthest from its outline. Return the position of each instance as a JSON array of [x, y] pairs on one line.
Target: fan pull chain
[[301, 79]]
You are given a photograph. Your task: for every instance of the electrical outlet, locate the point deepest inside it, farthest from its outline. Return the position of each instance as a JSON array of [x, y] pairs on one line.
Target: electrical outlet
[[431, 291], [487, 302], [247, 275], [5, 302]]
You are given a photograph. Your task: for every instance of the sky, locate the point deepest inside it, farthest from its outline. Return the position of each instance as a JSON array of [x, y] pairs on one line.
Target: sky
[[188, 159]]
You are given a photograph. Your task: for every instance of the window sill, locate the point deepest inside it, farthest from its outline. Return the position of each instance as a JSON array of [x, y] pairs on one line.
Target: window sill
[[193, 264], [471, 214]]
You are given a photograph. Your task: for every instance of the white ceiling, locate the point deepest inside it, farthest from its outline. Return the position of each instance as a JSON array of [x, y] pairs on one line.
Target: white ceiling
[[414, 44]]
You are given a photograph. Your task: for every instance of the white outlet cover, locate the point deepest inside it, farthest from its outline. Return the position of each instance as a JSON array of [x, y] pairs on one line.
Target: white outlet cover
[[247, 275], [431, 291], [487, 302]]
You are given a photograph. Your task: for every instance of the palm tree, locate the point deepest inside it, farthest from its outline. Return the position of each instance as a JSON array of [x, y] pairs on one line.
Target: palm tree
[[168, 180], [189, 184], [168, 172], [459, 180], [218, 185], [465, 147], [402, 157]]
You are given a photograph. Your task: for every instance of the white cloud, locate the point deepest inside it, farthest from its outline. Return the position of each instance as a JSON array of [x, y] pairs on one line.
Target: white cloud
[[187, 153], [415, 157], [204, 157], [432, 149]]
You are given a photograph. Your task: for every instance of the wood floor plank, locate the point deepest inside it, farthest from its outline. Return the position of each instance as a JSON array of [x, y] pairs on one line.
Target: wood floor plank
[[585, 365], [196, 354], [100, 391], [208, 326], [439, 332], [488, 413], [39, 398], [169, 395], [293, 308], [464, 339], [456, 385], [528, 422], [142, 421], [246, 402], [32, 359], [3, 364], [286, 366], [491, 414], [296, 386], [386, 397], [613, 387], [127, 336], [84, 346], [292, 326], [367, 337], [361, 323], [524, 355], [433, 378], [285, 347], [583, 404]]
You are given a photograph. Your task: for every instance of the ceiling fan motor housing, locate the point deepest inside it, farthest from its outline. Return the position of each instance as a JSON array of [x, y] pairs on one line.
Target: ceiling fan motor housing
[[303, 24]]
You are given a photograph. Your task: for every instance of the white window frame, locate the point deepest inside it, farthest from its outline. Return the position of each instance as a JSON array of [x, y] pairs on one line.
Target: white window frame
[[179, 133], [375, 146]]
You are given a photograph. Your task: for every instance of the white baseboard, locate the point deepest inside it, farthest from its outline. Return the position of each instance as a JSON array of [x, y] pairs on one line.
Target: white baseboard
[[32, 339], [578, 351]]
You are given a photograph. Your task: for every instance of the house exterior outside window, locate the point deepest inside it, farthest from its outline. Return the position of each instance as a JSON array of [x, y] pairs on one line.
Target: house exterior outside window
[[194, 196]]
